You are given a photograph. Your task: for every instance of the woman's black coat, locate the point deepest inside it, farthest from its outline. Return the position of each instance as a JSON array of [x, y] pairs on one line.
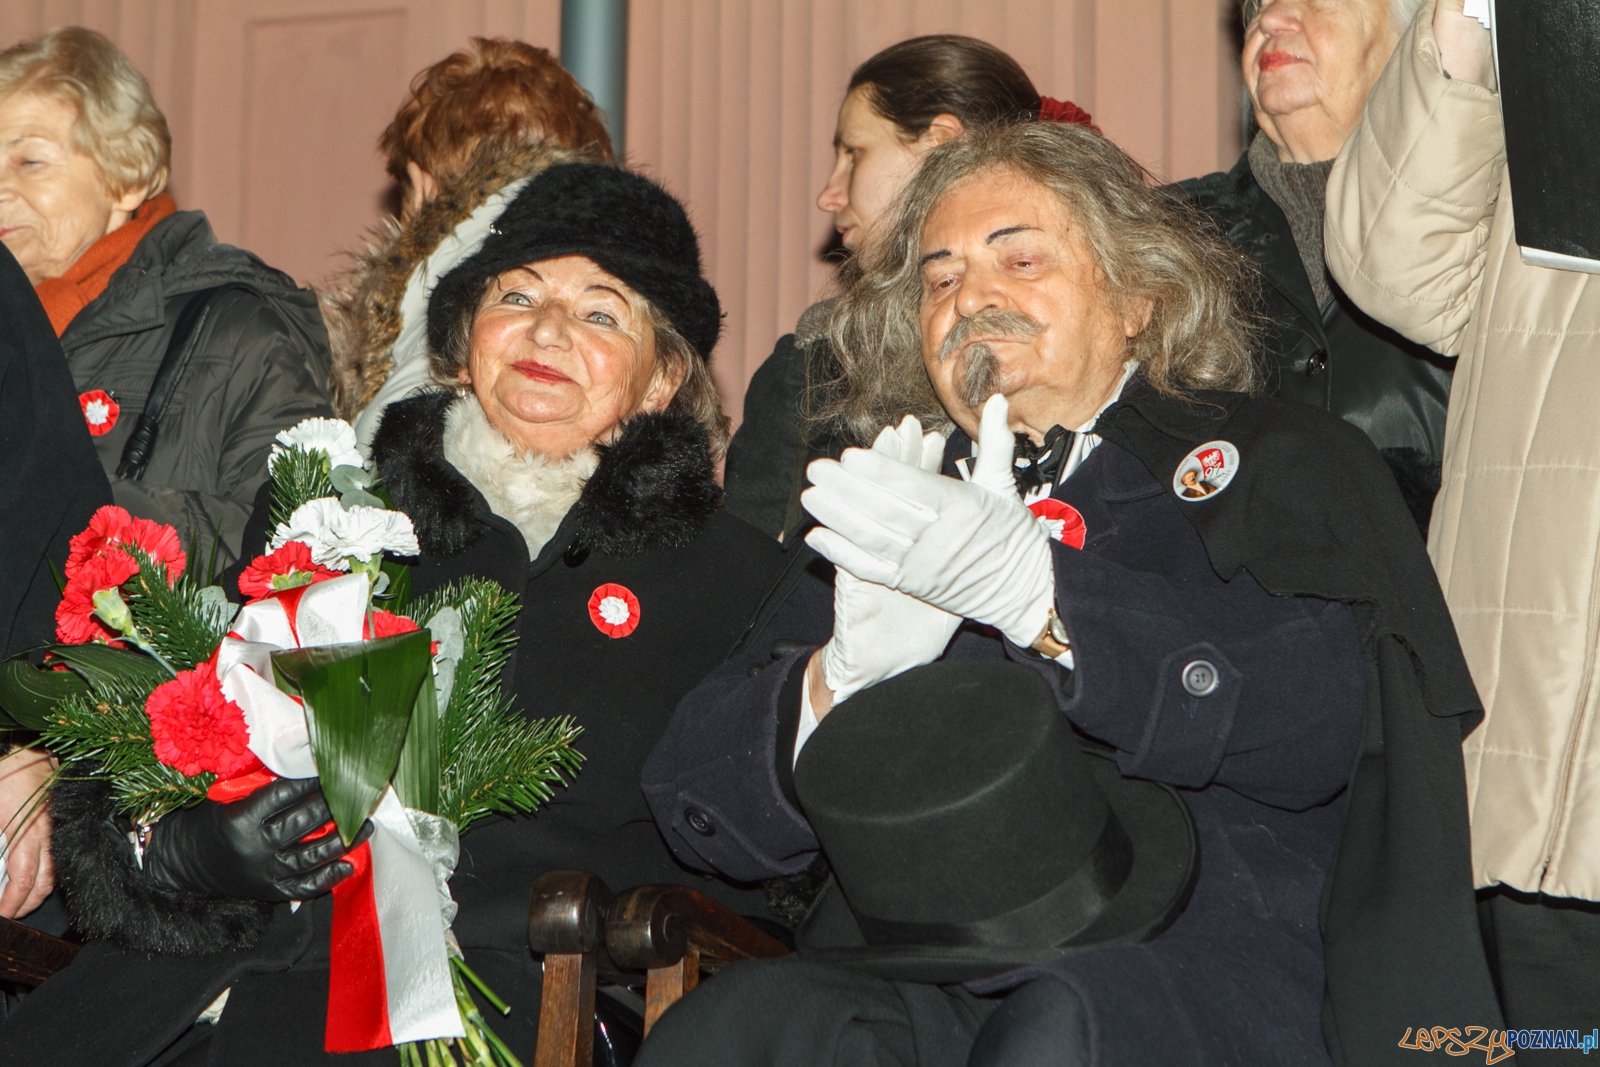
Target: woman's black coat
[[649, 520], [1335, 357]]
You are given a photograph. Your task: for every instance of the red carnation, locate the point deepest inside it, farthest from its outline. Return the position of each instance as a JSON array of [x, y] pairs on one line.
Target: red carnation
[[197, 729], [75, 619], [293, 558], [111, 527], [387, 624]]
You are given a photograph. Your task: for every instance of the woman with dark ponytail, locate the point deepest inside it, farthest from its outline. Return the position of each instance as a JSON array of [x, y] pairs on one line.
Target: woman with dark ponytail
[[901, 104]]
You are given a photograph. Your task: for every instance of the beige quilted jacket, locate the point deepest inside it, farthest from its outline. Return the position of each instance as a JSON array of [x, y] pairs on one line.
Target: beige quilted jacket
[[1419, 233]]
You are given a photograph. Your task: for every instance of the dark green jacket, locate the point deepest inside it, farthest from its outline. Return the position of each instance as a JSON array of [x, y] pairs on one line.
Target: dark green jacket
[[259, 368]]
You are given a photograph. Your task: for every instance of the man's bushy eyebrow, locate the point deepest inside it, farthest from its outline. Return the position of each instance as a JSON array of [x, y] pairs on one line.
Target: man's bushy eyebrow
[[1007, 231]]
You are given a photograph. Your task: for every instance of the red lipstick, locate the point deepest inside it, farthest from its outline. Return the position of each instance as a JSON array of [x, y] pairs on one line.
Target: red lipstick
[[1274, 60], [538, 371]]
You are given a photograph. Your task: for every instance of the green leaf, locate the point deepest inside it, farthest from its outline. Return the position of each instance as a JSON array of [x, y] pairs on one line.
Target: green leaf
[[28, 693], [359, 699], [102, 665], [416, 780], [397, 596], [350, 479], [351, 484]]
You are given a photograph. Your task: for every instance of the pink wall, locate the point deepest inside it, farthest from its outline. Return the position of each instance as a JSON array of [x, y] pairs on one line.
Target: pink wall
[[276, 105]]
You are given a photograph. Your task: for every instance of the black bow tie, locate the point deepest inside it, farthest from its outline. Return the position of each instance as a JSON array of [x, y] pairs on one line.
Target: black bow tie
[[1037, 466]]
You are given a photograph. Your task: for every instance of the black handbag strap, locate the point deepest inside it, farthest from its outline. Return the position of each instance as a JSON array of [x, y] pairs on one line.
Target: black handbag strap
[[180, 347]]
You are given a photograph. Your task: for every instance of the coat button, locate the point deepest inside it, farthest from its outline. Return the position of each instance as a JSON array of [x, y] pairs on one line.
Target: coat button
[[1200, 678], [698, 822], [1317, 363]]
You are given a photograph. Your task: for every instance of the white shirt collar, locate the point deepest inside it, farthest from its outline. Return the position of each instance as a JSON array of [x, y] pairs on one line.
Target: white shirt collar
[[1083, 444]]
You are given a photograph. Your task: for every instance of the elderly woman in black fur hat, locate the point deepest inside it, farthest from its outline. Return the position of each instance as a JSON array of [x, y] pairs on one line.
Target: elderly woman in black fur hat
[[567, 455]]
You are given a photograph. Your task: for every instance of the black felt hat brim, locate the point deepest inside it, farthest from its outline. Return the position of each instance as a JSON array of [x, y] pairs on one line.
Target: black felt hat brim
[[1166, 862], [631, 227]]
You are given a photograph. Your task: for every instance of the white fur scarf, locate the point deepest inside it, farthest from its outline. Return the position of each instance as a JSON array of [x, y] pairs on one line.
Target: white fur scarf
[[532, 492]]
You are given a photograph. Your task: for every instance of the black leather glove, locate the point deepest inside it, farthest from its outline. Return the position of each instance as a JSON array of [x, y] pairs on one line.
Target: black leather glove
[[252, 848]]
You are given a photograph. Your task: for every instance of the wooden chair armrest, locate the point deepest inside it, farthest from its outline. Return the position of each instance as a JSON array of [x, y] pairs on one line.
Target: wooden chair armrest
[[654, 925], [28, 956], [670, 932], [566, 923], [567, 912]]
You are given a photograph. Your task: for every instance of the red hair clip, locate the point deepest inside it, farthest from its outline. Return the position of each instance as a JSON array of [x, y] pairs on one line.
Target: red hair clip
[[1053, 110]]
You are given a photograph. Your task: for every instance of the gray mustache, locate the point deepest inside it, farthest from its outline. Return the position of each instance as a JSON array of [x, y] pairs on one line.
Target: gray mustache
[[978, 377]]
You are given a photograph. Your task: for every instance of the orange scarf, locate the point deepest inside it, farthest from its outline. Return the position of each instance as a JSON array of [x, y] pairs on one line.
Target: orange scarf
[[86, 279]]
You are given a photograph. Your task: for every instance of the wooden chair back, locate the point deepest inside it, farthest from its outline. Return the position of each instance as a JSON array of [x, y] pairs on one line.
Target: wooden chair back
[[28, 957]]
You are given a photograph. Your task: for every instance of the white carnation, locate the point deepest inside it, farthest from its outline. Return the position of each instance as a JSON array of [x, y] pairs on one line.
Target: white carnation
[[334, 437], [336, 534]]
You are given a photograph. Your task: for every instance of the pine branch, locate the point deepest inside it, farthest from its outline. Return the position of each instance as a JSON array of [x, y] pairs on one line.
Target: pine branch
[[493, 759], [488, 615], [148, 793], [178, 620], [504, 764], [298, 475], [108, 726]]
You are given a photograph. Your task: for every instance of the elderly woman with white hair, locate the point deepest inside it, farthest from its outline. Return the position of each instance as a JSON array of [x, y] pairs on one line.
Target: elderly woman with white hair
[[84, 159], [118, 268], [1308, 67]]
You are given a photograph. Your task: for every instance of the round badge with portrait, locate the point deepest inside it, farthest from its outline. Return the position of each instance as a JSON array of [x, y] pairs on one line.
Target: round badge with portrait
[[1206, 471]]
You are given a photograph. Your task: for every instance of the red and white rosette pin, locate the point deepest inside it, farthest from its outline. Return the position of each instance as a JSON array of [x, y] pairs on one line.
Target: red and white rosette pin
[[100, 411], [1061, 521], [614, 610]]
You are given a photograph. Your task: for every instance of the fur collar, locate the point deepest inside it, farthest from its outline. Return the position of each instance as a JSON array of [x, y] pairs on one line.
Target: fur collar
[[532, 492], [652, 488], [362, 307]]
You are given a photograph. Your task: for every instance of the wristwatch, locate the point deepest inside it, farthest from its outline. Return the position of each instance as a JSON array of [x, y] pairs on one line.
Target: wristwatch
[[1052, 641]]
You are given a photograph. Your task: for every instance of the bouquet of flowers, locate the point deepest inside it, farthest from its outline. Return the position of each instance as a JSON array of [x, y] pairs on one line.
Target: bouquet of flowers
[[163, 688]]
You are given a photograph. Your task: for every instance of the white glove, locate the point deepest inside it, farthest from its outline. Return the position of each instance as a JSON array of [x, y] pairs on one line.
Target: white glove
[[970, 548], [877, 632]]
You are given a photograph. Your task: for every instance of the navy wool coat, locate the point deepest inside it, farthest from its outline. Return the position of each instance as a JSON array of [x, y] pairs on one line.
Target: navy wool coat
[[1326, 792]]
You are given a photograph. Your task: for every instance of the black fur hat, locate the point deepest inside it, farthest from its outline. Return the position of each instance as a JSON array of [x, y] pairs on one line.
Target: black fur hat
[[626, 223]]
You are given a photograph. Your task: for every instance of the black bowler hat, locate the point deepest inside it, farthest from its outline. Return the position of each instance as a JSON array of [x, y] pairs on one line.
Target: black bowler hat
[[970, 831], [629, 225]]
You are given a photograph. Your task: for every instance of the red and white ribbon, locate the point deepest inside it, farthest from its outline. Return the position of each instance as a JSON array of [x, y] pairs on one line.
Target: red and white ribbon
[[389, 971]]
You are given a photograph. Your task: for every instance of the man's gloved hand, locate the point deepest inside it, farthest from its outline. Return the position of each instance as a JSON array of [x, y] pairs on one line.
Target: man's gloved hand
[[877, 632], [970, 548], [252, 848]]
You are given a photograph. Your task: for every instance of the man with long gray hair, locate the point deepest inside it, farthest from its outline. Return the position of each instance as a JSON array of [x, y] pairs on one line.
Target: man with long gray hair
[[1250, 846]]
